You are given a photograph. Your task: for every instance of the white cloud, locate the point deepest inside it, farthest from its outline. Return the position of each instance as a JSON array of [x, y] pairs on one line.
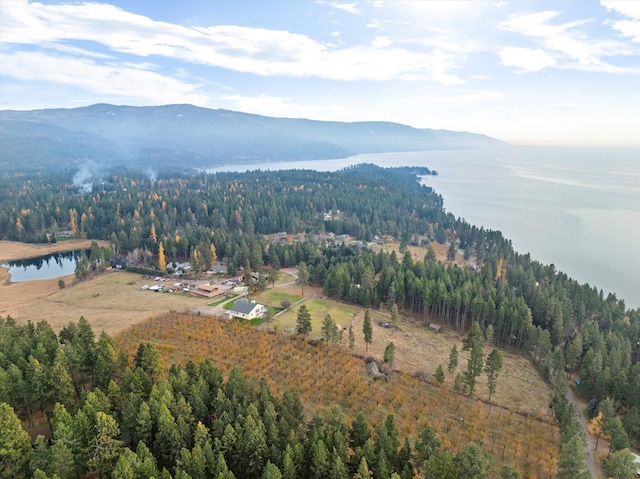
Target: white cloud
[[626, 7], [346, 7], [112, 79], [567, 39], [375, 23], [257, 51], [629, 27], [381, 42], [526, 59]]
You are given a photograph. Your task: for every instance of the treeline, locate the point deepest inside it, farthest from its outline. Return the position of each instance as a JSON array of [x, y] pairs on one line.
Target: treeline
[[124, 417]]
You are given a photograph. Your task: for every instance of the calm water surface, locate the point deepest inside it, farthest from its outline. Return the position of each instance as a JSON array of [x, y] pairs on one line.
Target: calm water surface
[[43, 267], [576, 208]]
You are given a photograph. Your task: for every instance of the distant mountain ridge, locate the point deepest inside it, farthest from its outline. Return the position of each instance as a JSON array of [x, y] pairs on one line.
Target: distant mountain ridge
[[186, 135]]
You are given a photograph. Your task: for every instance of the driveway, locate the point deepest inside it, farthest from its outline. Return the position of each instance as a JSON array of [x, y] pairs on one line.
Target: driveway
[[590, 448]]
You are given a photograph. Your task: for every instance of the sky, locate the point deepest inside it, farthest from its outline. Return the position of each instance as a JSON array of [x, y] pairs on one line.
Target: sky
[[526, 72]]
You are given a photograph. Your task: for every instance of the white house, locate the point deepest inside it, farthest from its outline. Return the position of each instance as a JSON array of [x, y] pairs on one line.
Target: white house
[[246, 309]]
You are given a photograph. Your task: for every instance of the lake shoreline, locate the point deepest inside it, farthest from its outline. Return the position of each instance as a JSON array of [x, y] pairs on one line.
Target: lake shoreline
[[16, 250]]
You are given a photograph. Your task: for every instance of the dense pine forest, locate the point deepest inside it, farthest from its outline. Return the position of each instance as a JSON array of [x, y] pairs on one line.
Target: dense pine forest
[[568, 330]]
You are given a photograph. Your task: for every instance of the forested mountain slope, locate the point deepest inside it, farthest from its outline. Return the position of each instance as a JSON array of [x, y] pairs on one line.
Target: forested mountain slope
[[186, 136]]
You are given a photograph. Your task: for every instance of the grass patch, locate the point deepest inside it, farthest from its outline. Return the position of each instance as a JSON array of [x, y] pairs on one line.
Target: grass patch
[[273, 297], [319, 308], [220, 301], [252, 322], [228, 305]]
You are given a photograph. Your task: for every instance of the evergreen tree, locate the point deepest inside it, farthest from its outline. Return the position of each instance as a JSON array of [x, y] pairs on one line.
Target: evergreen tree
[[248, 279], [492, 370], [427, 445], [451, 252], [621, 465], [473, 462], [572, 463], [431, 254], [389, 353], [394, 313], [303, 275], [508, 471], [329, 329], [475, 364], [363, 471], [352, 338], [303, 321], [271, 471], [367, 329], [453, 360], [15, 446], [439, 374], [359, 433], [107, 446]]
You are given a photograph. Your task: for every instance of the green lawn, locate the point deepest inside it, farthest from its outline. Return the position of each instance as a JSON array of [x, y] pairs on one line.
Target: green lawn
[[220, 301], [318, 308], [275, 298]]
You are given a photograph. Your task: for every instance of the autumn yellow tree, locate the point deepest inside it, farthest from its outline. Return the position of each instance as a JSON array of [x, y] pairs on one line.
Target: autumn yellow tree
[[153, 234], [214, 256], [595, 428], [162, 260], [73, 225]]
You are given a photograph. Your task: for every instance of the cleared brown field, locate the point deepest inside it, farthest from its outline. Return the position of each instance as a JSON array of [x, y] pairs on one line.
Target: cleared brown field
[[110, 301]]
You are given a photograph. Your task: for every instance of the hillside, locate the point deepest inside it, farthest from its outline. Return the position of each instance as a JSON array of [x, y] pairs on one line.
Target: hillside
[[326, 375], [189, 136]]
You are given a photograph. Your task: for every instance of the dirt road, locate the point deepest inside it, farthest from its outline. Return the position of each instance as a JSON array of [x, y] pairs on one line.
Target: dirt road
[[589, 449]]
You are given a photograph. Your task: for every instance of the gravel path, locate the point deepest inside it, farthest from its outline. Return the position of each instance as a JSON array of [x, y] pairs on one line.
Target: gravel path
[[589, 449]]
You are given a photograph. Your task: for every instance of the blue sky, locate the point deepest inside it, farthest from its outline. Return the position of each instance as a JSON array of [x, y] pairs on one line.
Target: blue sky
[[553, 73]]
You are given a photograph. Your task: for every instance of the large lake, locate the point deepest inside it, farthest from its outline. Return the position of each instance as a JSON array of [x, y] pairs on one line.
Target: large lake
[[578, 208]]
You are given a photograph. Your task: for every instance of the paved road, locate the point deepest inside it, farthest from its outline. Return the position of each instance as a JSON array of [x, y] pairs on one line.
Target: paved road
[[590, 448]]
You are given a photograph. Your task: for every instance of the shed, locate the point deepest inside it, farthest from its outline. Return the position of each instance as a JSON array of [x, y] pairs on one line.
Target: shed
[[434, 327]]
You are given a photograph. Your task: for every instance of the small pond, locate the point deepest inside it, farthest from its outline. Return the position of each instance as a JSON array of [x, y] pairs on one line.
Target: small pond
[[43, 267]]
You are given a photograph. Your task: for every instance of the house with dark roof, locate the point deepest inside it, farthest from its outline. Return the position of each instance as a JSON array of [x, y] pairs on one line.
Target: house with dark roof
[[246, 309]]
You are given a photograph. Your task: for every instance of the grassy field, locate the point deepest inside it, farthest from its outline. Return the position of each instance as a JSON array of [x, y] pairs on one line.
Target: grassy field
[[111, 301], [341, 313]]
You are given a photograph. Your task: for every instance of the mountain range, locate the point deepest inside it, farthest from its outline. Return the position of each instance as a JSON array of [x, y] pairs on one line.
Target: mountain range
[[189, 136]]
